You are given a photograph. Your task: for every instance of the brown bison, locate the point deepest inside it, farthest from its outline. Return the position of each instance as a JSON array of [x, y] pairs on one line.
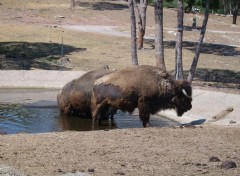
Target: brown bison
[[75, 96], [144, 87]]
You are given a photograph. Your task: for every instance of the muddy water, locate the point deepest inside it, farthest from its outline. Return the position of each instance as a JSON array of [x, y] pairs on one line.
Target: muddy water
[[35, 111]]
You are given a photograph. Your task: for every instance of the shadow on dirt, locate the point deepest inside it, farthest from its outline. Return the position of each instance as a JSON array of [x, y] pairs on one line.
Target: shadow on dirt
[[195, 122], [218, 78], [215, 78], [102, 5], [25, 55], [207, 48]]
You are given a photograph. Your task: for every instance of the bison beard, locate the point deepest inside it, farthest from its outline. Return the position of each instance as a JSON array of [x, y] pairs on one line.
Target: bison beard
[[144, 87], [75, 96]]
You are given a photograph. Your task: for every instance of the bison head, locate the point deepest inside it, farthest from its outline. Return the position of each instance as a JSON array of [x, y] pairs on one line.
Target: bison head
[[182, 101]]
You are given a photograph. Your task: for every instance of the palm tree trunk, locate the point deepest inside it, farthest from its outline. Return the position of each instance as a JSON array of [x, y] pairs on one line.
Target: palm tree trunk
[[141, 22], [179, 38], [200, 41], [133, 33], [159, 50]]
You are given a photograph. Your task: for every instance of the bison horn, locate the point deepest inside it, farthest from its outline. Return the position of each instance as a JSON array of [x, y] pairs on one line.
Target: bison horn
[[185, 93]]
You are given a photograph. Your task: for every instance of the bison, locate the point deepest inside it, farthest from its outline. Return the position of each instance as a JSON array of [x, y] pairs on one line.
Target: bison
[[75, 96], [144, 87]]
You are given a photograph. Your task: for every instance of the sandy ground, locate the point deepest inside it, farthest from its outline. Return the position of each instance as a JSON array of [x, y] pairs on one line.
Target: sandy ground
[[150, 151]]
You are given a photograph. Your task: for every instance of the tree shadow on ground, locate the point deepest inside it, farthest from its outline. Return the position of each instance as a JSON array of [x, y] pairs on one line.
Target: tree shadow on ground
[[215, 78], [25, 55], [207, 48], [102, 5]]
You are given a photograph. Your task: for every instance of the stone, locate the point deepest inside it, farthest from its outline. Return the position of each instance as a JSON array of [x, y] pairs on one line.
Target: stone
[[214, 159], [91, 170], [228, 164]]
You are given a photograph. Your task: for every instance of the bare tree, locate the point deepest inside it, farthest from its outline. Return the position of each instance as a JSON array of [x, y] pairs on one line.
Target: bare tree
[[179, 38], [236, 4], [200, 41], [133, 33], [72, 3], [159, 50], [141, 10]]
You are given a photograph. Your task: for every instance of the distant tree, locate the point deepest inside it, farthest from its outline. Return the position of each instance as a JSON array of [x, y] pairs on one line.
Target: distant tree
[[188, 8], [236, 4], [72, 3], [133, 33], [141, 10], [159, 51], [213, 4], [225, 6]]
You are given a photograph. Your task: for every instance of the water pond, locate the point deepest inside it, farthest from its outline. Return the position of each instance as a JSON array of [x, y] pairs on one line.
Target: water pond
[[35, 111]]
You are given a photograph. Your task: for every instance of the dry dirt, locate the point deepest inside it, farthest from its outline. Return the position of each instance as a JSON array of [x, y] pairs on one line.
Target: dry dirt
[[149, 152], [31, 34], [33, 30]]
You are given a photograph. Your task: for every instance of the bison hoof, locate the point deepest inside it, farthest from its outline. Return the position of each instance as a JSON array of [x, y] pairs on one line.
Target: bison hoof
[[146, 124]]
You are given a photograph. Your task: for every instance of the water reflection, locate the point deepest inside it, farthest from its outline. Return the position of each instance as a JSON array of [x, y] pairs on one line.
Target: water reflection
[[21, 119]]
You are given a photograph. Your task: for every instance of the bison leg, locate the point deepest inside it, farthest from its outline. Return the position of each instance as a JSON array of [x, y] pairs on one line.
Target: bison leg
[[111, 112], [144, 113], [95, 114], [100, 111], [145, 119], [67, 110]]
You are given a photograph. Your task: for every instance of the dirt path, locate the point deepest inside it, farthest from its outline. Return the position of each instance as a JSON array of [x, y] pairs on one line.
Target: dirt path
[[114, 31]]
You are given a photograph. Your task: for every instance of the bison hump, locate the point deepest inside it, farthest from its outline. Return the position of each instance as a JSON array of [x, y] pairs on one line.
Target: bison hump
[[145, 80]]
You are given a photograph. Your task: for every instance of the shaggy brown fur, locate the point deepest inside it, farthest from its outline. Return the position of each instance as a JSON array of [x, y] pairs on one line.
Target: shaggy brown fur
[[75, 96], [144, 87]]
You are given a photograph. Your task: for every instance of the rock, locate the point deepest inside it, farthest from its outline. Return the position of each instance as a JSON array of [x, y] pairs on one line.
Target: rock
[[91, 170], [232, 122], [59, 170], [228, 164], [229, 109], [186, 163], [120, 173], [214, 159]]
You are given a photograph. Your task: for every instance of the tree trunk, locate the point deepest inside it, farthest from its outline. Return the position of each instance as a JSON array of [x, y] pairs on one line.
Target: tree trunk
[[200, 41], [230, 4], [188, 8], [141, 22], [224, 7], [179, 36], [133, 33], [159, 55], [72, 3], [236, 4], [234, 19]]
